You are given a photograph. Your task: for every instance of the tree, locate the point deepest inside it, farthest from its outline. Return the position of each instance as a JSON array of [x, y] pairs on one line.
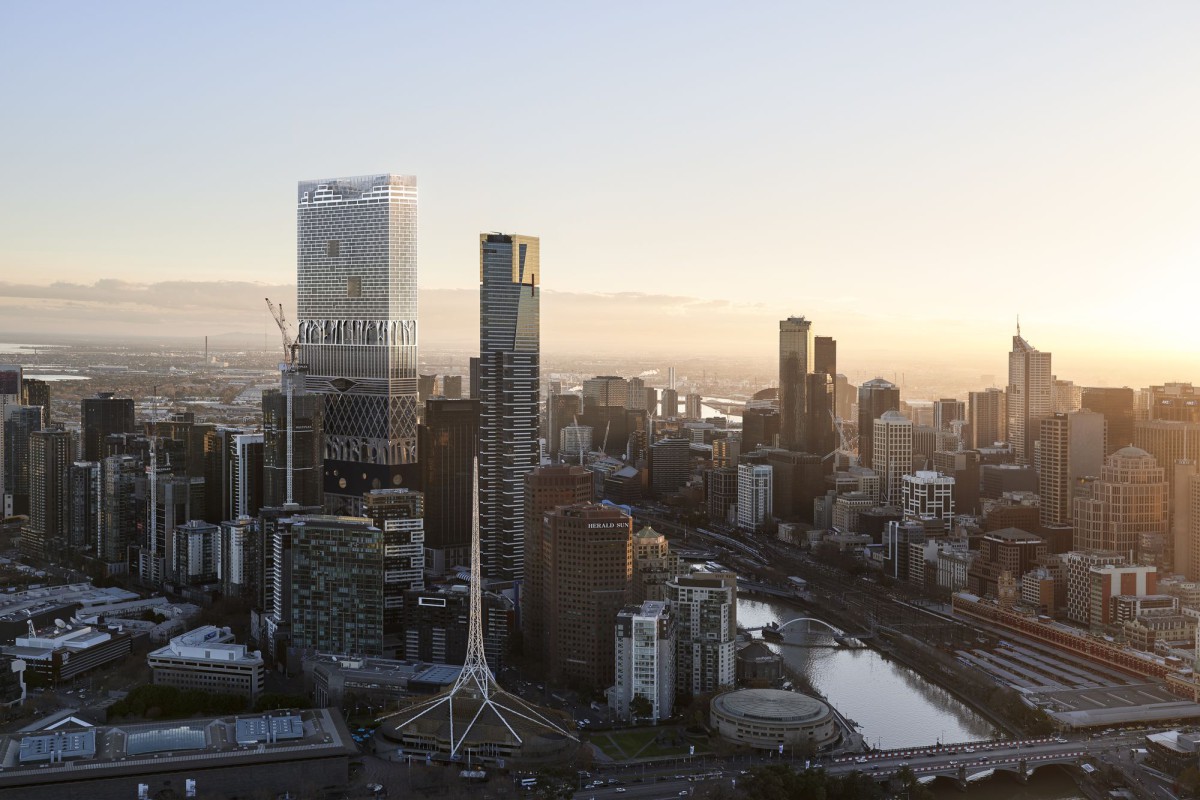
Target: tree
[[639, 706]]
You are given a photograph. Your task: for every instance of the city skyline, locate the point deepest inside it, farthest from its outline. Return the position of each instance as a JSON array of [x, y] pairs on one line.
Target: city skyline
[[940, 152]]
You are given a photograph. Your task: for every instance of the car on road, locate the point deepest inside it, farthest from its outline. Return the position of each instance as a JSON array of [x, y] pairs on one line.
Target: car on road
[[620, 789]]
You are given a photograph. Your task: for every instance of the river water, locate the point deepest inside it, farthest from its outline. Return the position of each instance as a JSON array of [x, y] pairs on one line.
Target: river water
[[894, 706]]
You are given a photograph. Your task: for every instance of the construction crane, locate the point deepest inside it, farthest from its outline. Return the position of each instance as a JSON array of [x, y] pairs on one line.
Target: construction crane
[[289, 343], [289, 376]]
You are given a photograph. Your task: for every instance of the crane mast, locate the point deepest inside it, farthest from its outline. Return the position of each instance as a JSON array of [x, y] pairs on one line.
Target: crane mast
[[288, 376]]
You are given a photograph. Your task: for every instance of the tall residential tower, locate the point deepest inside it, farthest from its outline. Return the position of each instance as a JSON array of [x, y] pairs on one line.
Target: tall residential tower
[[356, 260], [509, 365]]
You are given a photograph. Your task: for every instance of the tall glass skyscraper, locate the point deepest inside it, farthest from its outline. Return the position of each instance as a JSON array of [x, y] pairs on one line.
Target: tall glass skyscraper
[[795, 363], [1030, 396], [356, 259], [509, 365]]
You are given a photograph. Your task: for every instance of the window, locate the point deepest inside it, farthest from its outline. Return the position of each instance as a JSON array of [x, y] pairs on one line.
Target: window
[[354, 289], [333, 248]]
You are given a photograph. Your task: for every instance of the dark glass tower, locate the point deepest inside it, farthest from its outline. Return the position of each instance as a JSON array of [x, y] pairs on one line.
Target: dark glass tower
[[509, 366], [448, 441], [875, 398], [102, 415], [356, 260], [795, 363]]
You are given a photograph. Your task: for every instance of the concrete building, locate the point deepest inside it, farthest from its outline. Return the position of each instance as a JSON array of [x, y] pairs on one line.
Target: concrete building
[[51, 453], [588, 575], [670, 465], [706, 604], [1131, 498], [928, 495], [546, 488], [892, 453], [400, 514], [1185, 519], [197, 553], [62, 653], [307, 459], [206, 658], [987, 418], [720, 492], [769, 719], [239, 558], [875, 398], [606, 390], [1029, 396], [653, 565], [1011, 551], [448, 443], [1116, 406], [337, 585], [644, 647], [754, 497], [1169, 441], [1071, 447]]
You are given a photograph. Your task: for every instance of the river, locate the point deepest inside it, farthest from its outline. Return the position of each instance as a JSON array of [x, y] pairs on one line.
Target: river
[[894, 706]]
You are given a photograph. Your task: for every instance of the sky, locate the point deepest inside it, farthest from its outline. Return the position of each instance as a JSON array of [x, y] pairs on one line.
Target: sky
[[911, 176]]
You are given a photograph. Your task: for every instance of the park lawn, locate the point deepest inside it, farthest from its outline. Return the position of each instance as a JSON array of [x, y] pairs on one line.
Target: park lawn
[[625, 745]]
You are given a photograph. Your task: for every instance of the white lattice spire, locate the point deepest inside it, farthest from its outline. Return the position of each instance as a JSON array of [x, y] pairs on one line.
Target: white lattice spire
[[476, 688]]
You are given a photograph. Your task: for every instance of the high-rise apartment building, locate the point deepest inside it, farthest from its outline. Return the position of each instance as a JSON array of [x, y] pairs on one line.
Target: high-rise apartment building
[[306, 462], [1130, 499], [692, 403], [670, 465], [19, 425], [100, 416], [795, 363], [35, 392], [509, 364], [754, 497], [720, 492], [653, 565], [635, 398], [449, 439], [645, 647], [51, 453], [987, 418], [606, 390], [1071, 448], [705, 604], [399, 513], [670, 403], [356, 262], [120, 507], [87, 492], [451, 390], [336, 587], [875, 398], [588, 579], [892, 443], [1030, 396], [1116, 405]]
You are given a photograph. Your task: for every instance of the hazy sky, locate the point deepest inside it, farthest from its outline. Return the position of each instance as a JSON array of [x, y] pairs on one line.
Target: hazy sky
[[910, 175]]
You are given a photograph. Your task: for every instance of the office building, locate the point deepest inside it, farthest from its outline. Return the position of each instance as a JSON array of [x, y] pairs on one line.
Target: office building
[[1177, 402], [246, 476], [356, 264], [67, 651], [307, 453], [1116, 406], [963, 466], [509, 364], [692, 406], [644, 661], [947, 411], [207, 659], [451, 388], [670, 403], [795, 363], [705, 604], [987, 418], [1029, 398], [1185, 519], [1169, 441], [670, 466], [337, 585], [1071, 448], [754, 497], [171, 501], [761, 424], [51, 453], [1130, 499], [546, 488], [436, 621], [606, 390], [1008, 550], [891, 450], [588, 579], [1065, 396], [927, 495], [449, 439], [875, 398], [797, 479], [653, 565], [103, 415]]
